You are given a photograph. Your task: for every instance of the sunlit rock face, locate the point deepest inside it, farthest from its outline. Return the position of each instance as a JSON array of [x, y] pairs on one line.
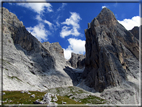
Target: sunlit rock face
[[27, 64], [112, 53], [110, 65]]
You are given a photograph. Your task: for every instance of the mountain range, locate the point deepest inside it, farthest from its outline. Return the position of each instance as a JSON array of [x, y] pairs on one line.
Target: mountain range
[[110, 66]]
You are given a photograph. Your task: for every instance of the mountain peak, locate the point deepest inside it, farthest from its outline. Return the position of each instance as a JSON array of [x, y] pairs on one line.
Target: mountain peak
[[106, 16]]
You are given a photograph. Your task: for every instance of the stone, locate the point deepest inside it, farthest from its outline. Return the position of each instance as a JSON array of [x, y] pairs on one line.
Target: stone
[[112, 53], [70, 94], [29, 93], [111, 61], [74, 74], [122, 96], [22, 91], [33, 95], [3, 93], [135, 32], [55, 98], [77, 60], [26, 60], [38, 102], [47, 98], [54, 48], [63, 102]]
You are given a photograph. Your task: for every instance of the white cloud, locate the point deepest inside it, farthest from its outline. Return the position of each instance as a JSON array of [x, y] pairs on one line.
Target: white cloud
[[65, 31], [49, 24], [57, 23], [130, 23], [38, 17], [73, 21], [37, 7], [67, 53], [76, 46], [39, 31], [63, 5], [103, 7]]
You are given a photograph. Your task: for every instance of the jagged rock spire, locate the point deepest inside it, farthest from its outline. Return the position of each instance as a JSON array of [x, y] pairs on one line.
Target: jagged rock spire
[[109, 50], [106, 16]]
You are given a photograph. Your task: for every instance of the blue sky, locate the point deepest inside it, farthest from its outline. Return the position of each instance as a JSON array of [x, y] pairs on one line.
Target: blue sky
[[65, 22]]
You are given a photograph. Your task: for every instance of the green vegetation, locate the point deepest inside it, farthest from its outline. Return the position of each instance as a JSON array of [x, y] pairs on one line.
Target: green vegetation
[[16, 97], [93, 100], [67, 100], [69, 95], [76, 91]]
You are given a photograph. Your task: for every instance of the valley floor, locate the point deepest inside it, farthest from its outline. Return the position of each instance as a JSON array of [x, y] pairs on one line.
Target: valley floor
[[65, 95]]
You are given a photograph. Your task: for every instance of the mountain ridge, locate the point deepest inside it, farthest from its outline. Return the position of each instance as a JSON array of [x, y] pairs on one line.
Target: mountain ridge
[[110, 64], [25, 56], [112, 54]]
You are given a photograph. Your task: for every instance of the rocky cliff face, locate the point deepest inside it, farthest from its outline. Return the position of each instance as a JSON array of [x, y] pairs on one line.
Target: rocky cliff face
[[111, 61], [57, 52], [54, 48], [77, 60], [27, 64], [135, 32], [112, 53]]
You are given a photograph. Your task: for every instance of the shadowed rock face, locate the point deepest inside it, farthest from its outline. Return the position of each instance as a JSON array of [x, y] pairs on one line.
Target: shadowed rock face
[[135, 32], [77, 60], [112, 52], [21, 38]]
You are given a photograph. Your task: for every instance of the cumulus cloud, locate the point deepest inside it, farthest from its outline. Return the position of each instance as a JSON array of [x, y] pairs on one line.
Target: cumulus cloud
[[67, 53], [39, 32], [37, 7], [72, 25], [76, 46], [103, 7], [130, 23], [65, 31]]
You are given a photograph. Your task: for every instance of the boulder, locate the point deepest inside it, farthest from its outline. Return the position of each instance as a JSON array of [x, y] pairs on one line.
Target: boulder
[[33, 95]]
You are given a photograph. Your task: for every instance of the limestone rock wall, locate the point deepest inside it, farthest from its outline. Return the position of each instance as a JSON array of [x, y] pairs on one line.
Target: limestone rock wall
[[27, 64], [112, 53], [135, 32], [77, 60]]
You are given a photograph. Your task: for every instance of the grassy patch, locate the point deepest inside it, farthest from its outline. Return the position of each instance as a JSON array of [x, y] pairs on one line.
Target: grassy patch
[[76, 91], [16, 97], [93, 100], [67, 100]]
